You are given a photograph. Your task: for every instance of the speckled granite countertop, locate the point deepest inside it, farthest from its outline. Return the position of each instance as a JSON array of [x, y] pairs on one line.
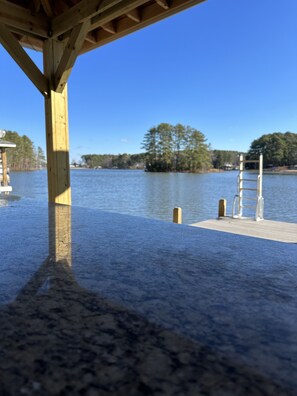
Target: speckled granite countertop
[[95, 303]]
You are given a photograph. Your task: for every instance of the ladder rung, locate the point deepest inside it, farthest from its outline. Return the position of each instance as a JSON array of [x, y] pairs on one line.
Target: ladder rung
[[249, 180], [250, 161], [248, 206], [249, 198], [248, 189]]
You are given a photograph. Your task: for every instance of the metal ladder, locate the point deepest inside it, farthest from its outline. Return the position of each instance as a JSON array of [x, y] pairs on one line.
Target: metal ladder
[[249, 183]]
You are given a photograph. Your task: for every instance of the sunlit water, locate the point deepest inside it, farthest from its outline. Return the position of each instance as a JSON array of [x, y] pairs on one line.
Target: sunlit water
[[154, 195]]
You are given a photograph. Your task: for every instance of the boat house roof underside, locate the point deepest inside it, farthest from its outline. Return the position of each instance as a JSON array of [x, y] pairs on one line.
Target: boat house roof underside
[[32, 22]]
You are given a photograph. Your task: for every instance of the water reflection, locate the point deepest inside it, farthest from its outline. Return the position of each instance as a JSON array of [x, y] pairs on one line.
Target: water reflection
[[60, 233], [5, 199], [155, 195], [163, 192], [56, 268]]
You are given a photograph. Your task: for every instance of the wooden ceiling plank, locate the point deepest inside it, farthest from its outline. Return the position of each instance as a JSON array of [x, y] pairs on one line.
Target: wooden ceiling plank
[[163, 3], [47, 8], [35, 5], [34, 43], [114, 12], [79, 13], [22, 19], [70, 54], [134, 15], [111, 14], [16, 51], [149, 15], [152, 14]]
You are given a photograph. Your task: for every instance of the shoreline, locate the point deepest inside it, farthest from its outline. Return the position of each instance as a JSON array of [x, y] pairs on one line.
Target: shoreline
[[277, 171]]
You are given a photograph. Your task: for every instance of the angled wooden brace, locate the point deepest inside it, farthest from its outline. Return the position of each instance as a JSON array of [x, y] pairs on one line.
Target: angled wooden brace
[[16, 51], [70, 54]]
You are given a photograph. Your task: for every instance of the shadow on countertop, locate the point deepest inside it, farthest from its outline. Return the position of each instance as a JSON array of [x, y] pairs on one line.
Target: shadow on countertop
[[58, 338]]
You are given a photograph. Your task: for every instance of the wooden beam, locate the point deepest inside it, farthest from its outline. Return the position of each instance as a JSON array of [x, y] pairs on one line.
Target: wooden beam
[[109, 15], [22, 19], [163, 3], [70, 54], [57, 137], [91, 38], [47, 8], [12, 46], [149, 15], [109, 27], [81, 12], [35, 7], [30, 42], [152, 13], [134, 15], [114, 12]]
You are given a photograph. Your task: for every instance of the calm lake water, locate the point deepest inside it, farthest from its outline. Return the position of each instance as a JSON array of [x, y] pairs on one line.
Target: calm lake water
[[154, 195]]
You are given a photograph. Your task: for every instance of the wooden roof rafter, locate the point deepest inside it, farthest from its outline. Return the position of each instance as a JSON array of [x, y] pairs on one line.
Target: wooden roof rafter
[[134, 14], [81, 25], [109, 27], [46, 4], [163, 3], [35, 7], [23, 20], [84, 10], [147, 14], [34, 21]]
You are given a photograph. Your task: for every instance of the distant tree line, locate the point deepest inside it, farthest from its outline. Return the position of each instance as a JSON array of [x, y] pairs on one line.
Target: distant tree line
[[109, 161], [278, 149], [176, 148], [168, 148], [25, 156]]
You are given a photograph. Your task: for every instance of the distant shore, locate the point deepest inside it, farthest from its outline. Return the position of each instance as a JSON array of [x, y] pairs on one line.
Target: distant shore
[[267, 171], [280, 170]]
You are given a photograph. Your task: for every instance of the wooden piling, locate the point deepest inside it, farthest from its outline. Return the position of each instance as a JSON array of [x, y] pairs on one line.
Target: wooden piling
[[222, 207], [4, 168], [177, 215]]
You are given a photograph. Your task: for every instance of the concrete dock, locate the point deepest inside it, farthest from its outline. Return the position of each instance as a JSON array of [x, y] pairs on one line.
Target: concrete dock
[[265, 229]]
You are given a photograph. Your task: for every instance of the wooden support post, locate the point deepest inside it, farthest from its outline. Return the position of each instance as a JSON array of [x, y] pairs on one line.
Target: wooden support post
[[222, 207], [4, 167], [57, 139], [177, 215]]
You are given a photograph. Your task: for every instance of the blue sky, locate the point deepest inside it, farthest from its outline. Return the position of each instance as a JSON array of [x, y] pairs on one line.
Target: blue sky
[[225, 67]]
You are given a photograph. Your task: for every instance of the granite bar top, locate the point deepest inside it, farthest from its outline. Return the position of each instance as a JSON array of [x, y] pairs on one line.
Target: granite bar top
[[97, 303]]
